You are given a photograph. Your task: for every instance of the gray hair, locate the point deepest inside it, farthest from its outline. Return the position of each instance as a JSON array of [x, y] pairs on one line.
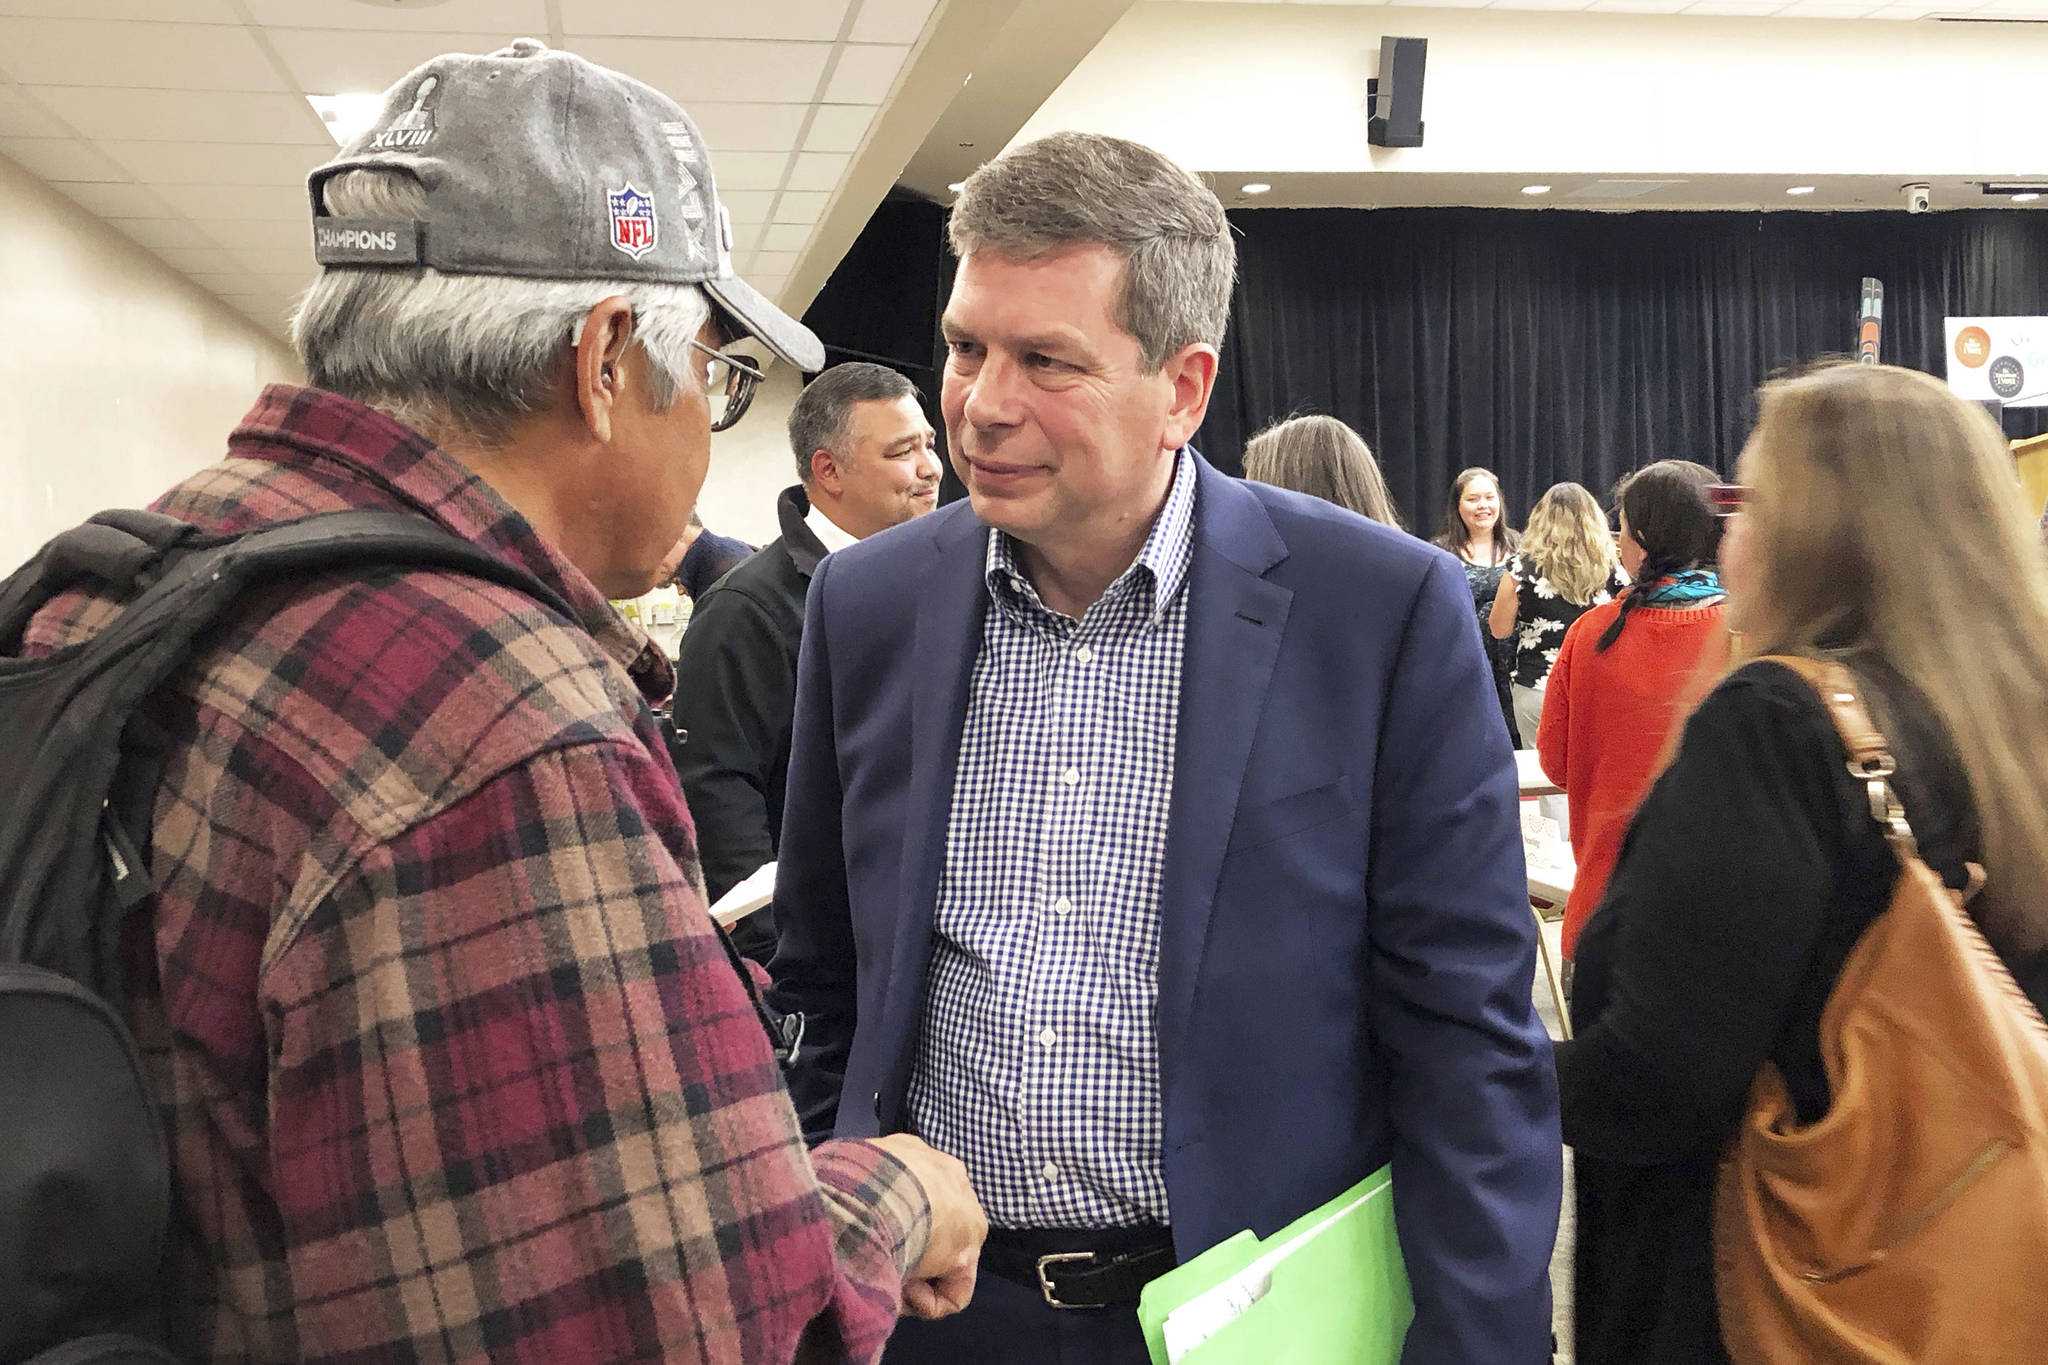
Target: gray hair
[[1076, 189], [1324, 458], [474, 351], [818, 420]]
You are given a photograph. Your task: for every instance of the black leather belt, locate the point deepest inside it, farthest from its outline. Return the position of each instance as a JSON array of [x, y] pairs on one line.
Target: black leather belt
[[1099, 1268]]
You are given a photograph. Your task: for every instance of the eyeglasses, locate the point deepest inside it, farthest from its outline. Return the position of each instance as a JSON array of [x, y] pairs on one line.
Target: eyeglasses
[[1727, 498], [731, 381]]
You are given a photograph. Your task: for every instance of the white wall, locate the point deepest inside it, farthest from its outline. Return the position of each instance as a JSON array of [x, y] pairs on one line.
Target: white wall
[[1282, 88], [751, 463], [117, 376]]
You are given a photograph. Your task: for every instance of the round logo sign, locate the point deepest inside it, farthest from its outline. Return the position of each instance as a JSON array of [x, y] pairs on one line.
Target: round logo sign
[[2007, 377], [1973, 346]]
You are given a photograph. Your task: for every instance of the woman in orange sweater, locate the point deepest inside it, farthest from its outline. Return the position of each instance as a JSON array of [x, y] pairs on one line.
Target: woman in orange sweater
[[1627, 668]]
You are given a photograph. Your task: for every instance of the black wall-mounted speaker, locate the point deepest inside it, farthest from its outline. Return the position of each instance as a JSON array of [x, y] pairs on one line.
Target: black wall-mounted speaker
[[1396, 119]]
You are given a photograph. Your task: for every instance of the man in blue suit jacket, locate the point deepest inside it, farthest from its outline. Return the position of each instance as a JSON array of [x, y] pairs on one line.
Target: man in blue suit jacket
[[1151, 841]]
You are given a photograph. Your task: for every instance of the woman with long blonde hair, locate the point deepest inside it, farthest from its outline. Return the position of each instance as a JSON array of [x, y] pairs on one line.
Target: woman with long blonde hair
[[1881, 528], [1324, 458], [1565, 565]]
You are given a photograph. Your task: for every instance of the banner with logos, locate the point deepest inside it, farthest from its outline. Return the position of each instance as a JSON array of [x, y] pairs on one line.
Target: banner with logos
[[2001, 358]]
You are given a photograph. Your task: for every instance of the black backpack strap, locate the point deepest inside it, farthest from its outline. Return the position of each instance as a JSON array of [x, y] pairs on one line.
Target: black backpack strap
[[339, 540]]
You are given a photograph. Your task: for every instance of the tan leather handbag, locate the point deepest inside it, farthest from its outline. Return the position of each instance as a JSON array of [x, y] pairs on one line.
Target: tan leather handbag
[[1910, 1224]]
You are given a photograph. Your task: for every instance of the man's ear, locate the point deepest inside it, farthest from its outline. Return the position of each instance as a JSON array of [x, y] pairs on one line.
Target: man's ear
[[600, 363], [1192, 373], [825, 472]]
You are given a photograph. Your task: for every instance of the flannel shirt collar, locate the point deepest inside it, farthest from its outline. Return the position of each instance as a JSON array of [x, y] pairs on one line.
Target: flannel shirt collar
[[1158, 572], [291, 424]]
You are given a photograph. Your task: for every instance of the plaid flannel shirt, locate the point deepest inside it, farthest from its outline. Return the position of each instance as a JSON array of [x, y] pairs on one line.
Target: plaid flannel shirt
[[452, 1064]]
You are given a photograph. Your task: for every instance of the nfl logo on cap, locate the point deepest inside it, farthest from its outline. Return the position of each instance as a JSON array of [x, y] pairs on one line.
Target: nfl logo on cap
[[633, 225]]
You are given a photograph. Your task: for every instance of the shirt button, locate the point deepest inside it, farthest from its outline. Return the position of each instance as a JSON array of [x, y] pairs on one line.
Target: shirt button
[[1050, 1171], [1063, 906], [1047, 1038], [1084, 655], [1071, 776]]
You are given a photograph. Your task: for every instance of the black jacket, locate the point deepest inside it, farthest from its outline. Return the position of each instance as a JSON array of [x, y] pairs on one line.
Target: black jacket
[[735, 698]]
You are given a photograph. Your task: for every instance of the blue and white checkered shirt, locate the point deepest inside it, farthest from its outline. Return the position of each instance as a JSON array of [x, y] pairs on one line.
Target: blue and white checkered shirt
[[1038, 1061]]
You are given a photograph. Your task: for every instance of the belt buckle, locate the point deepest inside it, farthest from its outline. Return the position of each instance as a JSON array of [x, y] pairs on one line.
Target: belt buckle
[[1059, 1258]]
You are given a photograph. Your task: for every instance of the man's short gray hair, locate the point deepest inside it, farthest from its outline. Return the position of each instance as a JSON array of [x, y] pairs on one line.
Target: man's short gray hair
[[1076, 189], [818, 419], [475, 351]]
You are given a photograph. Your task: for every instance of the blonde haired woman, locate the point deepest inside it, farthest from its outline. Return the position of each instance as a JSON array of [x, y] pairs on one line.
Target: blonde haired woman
[[1565, 565], [1882, 528], [1324, 458]]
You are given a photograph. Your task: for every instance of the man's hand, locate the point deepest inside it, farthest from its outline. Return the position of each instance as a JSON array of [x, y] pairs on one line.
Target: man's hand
[[943, 1282]]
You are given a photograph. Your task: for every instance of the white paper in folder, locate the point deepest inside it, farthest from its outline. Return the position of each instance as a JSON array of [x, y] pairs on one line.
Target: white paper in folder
[[743, 900]]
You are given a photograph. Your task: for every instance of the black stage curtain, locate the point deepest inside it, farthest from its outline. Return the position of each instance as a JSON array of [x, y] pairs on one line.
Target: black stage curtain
[[1543, 344], [883, 302], [1550, 345]]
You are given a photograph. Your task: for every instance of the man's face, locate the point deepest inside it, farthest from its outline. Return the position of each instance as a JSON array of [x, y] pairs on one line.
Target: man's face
[[888, 471], [1056, 429], [655, 471]]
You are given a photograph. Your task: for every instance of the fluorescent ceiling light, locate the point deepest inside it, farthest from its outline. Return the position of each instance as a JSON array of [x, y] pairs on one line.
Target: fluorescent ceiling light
[[2027, 198], [1535, 189], [1256, 187], [957, 186], [346, 115], [1799, 189]]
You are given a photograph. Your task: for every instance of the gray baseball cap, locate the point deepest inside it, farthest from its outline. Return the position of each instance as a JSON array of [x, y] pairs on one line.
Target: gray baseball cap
[[544, 165]]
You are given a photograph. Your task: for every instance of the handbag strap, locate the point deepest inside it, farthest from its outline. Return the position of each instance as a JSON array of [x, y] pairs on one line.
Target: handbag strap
[[1870, 758]]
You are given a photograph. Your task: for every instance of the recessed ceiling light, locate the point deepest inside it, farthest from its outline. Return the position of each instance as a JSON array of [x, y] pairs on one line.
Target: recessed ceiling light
[[1799, 189], [1535, 189], [957, 186], [1256, 187], [346, 115], [2025, 198]]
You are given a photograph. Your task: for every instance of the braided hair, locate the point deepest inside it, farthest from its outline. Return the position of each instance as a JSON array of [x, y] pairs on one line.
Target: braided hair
[[1668, 514]]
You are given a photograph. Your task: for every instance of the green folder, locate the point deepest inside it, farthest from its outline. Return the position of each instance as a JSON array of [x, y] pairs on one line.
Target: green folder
[[1338, 1297]]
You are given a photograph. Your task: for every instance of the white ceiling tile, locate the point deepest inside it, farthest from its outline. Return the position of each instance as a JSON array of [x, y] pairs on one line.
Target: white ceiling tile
[[22, 117], [191, 259], [691, 69], [1821, 9], [335, 62], [275, 260], [747, 127], [745, 237], [272, 203], [769, 285], [61, 158], [1749, 9], [1639, 6], [804, 20], [164, 234], [216, 163], [785, 237], [839, 127], [187, 115], [163, 11], [261, 234], [818, 171], [774, 262], [801, 207], [891, 21], [747, 205], [117, 201], [523, 17], [148, 56], [865, 74], [750, 170]]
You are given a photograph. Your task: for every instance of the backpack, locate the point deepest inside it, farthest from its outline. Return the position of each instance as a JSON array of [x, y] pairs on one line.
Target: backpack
[[86, 1218], [1909, 1225]]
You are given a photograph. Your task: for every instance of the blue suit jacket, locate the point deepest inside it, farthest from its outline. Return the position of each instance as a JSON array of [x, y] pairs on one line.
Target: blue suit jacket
[[1346, 949]]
